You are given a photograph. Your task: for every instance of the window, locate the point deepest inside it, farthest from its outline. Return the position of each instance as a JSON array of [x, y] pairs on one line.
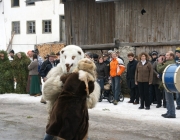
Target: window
[[14, 3], [30, 3], [16, 27], [31, 27], [62, 29], [46, 26]]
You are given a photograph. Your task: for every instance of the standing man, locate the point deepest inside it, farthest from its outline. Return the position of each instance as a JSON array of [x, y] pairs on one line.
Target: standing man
[[115, 76], [177, 53], [45, 68], [169, 96], [130, 77], [152, 90]]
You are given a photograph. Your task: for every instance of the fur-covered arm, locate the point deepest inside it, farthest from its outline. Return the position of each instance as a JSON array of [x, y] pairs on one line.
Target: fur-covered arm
[[94, 96], [52, 88]]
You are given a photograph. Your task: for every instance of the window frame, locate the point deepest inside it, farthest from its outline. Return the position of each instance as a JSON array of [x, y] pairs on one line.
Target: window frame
[[14, 6], [13, 27], [62, 17], [43, 26], [27, 27]]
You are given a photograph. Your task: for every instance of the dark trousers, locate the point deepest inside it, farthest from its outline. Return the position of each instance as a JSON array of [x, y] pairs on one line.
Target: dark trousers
[[101, 84], [152, 94], [158, 94], [116, 87], [144, 93], [164, 98], [134, 94]]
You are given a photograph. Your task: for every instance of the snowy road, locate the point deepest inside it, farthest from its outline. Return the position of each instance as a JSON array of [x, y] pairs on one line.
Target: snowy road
[[24, 118]]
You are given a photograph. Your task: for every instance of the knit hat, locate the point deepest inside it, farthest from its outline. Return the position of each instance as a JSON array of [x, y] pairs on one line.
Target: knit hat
[[36, 51], [154, 53], [177, 50], [12, 51]]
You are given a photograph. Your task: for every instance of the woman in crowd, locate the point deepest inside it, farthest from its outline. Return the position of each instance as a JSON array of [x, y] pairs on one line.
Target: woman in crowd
[[33, 86], [6, 75], [20, 71], [130, 77], [102, 73], [143, 78]]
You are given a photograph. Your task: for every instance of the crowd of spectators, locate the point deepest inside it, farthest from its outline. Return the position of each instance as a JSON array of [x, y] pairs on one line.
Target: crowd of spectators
[[143, 75]]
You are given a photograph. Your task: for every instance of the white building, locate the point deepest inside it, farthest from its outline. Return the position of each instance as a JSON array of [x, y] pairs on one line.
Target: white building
[[33, 23]]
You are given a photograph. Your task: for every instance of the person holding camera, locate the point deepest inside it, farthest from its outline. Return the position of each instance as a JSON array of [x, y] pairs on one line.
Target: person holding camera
[[157, 80]]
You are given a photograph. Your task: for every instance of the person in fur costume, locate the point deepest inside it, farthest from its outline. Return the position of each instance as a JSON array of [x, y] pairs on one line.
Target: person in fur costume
[[6, 74], [69, 116], [69, 56], [20, 71]]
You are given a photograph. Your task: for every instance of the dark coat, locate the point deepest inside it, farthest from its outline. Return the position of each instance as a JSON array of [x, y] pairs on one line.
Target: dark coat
[[130, 76], [156, 80], [45, 68], [107, 66], [69, 116], [102, 71]]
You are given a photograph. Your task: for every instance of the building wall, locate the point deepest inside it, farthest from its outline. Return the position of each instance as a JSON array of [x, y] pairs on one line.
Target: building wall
[[88, 22], [45, 10], [160, 23]]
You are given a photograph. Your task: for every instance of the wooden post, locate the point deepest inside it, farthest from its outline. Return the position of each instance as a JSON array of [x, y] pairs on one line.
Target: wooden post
[[9, 47]]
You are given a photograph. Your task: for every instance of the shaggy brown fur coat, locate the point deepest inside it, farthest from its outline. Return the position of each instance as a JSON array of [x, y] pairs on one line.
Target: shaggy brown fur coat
[[69, 116]]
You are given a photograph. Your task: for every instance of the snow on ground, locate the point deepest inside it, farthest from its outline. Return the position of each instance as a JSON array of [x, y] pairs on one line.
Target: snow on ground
[[24, 98], [123, 110], [129, 111]]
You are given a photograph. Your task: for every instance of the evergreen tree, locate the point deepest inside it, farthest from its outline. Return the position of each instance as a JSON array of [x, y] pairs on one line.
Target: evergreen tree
[[6, 74]]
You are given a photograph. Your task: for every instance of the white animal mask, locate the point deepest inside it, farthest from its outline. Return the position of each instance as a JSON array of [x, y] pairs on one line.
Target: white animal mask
[[69, 57]]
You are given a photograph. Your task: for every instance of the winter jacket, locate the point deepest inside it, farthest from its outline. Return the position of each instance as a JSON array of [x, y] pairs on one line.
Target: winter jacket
[[161, 67], [114, 66], [156, 80], [45, 68], [102, 72], [153, 60], [144, 73], [107, 63], [33, 67], [130, 76], [40, 61]]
